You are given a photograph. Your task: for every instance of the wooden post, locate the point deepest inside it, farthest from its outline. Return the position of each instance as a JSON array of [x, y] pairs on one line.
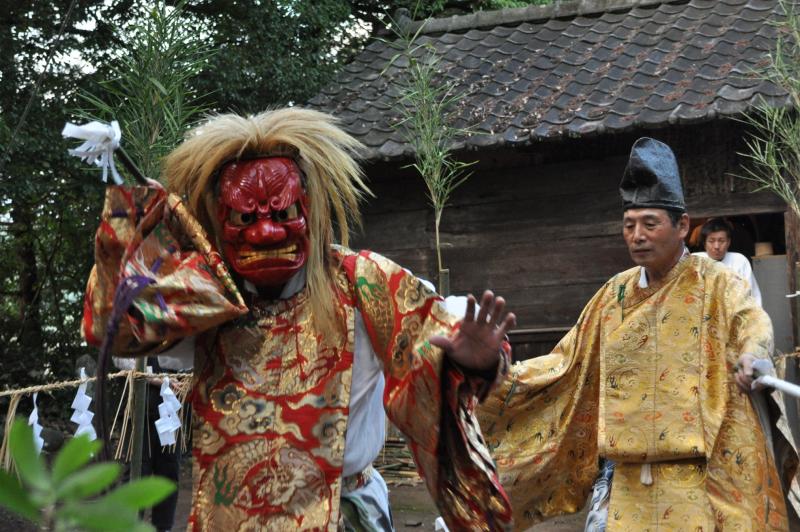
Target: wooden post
[[792, 373], [444, 282], [792, 236], [138, 433]]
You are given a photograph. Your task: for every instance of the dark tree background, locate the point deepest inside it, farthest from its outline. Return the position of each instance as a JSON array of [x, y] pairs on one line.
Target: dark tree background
[[47, 203], [269, 53]]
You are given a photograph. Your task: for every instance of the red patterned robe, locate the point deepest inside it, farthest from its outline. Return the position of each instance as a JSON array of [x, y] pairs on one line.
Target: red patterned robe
[[271, 393]]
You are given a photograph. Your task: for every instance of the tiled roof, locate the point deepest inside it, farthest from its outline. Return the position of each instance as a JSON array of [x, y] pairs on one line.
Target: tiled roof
[[574, 69]]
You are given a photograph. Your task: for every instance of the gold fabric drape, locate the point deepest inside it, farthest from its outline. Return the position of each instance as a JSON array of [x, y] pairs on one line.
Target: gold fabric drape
[[645, 377]]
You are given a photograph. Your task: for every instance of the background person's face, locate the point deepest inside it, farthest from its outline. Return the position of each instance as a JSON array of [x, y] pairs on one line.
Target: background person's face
[[653, 242], [717, 244]]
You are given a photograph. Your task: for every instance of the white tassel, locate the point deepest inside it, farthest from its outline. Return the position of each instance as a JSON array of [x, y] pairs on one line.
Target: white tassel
[[33, 421], [101, 141], [82, 415], [646, 476], [168, 421]]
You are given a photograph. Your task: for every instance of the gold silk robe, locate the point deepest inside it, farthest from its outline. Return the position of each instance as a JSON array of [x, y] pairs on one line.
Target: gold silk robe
[[644, 377]]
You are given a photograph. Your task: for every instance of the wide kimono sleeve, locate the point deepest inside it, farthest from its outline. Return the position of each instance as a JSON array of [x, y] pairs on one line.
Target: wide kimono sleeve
[[750, 326], [429, 399], [541, 423], [156, 277], [747, 468]]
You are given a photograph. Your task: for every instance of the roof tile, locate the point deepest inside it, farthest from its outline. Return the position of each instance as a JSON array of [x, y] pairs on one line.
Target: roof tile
[[650, 68], [624, 61], [599, 99], [650, 118], [503, 31], [515, 135], [684, 23], [619, 123], [639, 66]]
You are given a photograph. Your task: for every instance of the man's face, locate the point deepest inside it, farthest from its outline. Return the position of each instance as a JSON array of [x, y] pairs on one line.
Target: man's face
[[652, 240], [717, 244], [262, 211]]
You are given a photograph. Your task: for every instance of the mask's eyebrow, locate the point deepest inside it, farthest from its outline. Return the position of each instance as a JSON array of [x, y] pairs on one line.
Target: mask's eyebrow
[[288, 196]]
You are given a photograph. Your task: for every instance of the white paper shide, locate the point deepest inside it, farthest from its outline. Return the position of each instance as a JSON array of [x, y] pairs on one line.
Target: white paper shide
[[168, 421], [82, 416], [33, 421]]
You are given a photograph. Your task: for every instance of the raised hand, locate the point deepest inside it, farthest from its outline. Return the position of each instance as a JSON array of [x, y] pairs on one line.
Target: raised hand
[[476, 345]]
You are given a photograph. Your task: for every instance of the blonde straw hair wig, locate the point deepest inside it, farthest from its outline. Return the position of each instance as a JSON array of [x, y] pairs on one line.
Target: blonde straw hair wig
[[333, 180]]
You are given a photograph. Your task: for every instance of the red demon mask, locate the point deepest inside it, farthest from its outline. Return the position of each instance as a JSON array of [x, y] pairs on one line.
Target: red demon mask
[[263, 211]]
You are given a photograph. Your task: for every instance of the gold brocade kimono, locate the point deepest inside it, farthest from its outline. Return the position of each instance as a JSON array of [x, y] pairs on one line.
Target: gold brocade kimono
[[644, 377], [270, 398]]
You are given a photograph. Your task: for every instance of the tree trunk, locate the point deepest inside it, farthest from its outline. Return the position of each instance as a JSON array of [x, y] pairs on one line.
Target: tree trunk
[[27, 269]]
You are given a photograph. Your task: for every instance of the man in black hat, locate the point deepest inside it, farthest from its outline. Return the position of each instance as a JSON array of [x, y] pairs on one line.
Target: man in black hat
[[650, 383]]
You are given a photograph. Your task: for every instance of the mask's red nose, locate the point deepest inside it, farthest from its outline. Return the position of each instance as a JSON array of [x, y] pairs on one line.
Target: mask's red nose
[[264, 232]]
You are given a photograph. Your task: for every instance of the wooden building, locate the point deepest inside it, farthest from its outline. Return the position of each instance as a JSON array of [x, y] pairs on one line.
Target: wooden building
[[556, 96]]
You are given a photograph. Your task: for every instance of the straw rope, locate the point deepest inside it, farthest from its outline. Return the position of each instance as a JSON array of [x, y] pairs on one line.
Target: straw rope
[[184, 385], [123, 431], [394, 463], [182, 380], [78, 382], [12, 411]]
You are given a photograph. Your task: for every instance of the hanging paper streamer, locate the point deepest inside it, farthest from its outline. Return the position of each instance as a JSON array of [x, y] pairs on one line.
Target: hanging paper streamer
[[101, 141], [33, 421], [82, 415], [168, 421]]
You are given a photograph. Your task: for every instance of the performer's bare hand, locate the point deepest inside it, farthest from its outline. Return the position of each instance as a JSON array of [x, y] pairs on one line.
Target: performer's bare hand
[[476, 345], [744, 371]]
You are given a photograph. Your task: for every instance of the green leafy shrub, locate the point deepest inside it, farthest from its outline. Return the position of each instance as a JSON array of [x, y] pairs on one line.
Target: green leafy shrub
[[69, 496]]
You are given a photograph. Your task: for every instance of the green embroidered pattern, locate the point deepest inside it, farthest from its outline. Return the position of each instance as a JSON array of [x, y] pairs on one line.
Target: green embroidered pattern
[[225, 490], [368, 290]]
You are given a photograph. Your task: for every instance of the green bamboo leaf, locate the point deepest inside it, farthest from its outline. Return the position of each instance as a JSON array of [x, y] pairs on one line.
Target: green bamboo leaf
[[75, 454], [159, 86], [141, 494], [26, 458], [89, 481], [14, 497], [100, 517]]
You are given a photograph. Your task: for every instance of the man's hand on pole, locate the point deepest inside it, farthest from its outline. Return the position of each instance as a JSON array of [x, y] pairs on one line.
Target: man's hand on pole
[[744, 371], [476, 345]]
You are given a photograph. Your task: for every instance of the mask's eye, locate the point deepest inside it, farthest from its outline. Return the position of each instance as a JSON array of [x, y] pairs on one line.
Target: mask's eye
[[286, 214], [241, 218]]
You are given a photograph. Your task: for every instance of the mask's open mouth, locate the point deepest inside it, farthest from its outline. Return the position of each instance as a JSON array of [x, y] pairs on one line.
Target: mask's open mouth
[[288, 253]]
